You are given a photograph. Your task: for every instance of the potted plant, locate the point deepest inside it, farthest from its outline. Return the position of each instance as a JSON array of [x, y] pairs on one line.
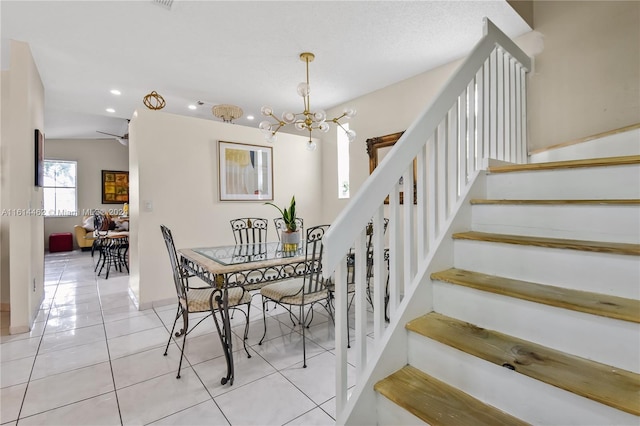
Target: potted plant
[[290, 236]]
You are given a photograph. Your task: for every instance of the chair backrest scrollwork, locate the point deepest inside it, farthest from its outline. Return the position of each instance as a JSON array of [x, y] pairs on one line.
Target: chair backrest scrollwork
[[249, 230]]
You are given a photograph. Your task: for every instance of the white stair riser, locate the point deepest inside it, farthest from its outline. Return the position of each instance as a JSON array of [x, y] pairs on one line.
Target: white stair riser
[[605, 340], [604, 273], [521, 396], [391, 414], [573, 184], [612, 223]]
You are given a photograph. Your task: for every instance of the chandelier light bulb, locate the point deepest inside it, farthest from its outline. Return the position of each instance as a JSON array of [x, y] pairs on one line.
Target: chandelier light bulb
[[288, 117], [324, 127], [319, 116], [265, 127], [303, 89], [266, 110], [349, 112], [351, 135], [299, 125], [311, 145], [272, 138]]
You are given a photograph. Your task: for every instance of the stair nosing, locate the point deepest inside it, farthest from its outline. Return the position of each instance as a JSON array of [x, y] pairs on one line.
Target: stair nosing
[[556, 243], [485, 201], [602, 305], [589, 379], [570, 164], [431, 391]]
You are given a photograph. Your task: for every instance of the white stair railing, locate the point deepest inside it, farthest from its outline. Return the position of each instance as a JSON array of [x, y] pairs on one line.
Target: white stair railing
[[479, 114]]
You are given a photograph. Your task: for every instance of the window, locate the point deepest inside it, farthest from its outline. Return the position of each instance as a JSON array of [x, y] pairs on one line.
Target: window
[[343, 161], [60, 192]]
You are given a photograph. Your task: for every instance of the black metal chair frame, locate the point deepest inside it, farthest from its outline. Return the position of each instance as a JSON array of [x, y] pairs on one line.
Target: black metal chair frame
[[214, 296], [312, 283], [249, 230], [112, 251], [281, 226]]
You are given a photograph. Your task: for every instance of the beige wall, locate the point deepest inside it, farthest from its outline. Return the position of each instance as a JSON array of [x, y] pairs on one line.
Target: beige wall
[[174, 166], [23, 249], [587, 77], [93, 156], [585, 81]]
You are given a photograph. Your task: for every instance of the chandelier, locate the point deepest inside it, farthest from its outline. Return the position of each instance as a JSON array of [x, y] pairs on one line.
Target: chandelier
[[307, 119], [227, 112]]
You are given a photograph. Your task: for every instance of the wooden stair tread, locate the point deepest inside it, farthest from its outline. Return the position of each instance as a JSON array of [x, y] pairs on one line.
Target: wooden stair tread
[[577, 300], [608, 385], [571, 164], [559, 243], [438, 403], [557, 202]]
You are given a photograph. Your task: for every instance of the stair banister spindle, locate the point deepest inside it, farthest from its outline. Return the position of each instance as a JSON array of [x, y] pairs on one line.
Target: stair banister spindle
[[409, 251], [360, 301], [421, 202], [379, 272], [340, 313]]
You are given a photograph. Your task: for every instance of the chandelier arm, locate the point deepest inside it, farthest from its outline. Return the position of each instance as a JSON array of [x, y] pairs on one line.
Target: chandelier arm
[[335, 120], [339, 124]]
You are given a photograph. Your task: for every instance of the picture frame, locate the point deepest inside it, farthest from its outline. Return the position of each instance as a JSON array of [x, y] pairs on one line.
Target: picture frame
[[245, 172], [377, 148], [115, 187], [39, 158]]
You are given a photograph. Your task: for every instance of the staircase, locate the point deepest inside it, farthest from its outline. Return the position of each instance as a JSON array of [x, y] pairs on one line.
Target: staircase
[[538, 319]]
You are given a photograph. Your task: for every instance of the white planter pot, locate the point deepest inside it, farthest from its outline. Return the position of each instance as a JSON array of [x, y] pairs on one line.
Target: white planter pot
[[290, 240]]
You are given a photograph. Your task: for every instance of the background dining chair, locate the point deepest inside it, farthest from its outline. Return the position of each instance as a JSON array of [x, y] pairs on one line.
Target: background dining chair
[[302, 292], [369, 275], [197, 299], [281, 226], [351, 263], [249, 230]]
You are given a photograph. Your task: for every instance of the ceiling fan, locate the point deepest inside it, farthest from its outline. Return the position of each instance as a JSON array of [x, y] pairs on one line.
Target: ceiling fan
[[124, 139]]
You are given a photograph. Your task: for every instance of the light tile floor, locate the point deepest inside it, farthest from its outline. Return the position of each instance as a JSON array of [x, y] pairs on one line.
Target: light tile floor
[[93, 359]]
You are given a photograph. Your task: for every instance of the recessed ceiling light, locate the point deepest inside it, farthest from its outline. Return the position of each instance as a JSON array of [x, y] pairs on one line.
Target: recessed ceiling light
[[250, 117], [115, 92], [110, 110], [192, 107]]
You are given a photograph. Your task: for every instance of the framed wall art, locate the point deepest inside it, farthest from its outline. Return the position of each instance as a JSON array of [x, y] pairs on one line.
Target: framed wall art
[[39, 158], [245, 172], [115, 187], [377, 148]]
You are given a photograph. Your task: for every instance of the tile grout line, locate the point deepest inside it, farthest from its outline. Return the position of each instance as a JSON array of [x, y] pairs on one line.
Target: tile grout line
[[35, 358], [106, 338]]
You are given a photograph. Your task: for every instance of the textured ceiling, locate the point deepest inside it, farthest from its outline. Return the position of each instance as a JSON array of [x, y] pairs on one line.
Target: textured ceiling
[[239, 52]]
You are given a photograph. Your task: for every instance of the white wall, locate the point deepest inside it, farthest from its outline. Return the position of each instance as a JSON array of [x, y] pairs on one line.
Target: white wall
[[93, 156], [23, 248], [174, 165]]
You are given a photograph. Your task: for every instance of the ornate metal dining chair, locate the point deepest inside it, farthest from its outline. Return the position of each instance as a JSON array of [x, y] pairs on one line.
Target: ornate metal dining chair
[[198, 299], [303, 292], [249, 230], [280, 225], [100, 231]]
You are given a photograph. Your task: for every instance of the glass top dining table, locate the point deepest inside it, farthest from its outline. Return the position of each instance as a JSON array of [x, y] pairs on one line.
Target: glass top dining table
[[250, 266], [249, 253]]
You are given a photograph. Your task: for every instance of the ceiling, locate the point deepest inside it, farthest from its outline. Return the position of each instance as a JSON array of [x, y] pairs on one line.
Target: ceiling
[[239, 52]]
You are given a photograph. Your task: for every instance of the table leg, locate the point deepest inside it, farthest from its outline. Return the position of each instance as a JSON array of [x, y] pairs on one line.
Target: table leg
[[226, 338]]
